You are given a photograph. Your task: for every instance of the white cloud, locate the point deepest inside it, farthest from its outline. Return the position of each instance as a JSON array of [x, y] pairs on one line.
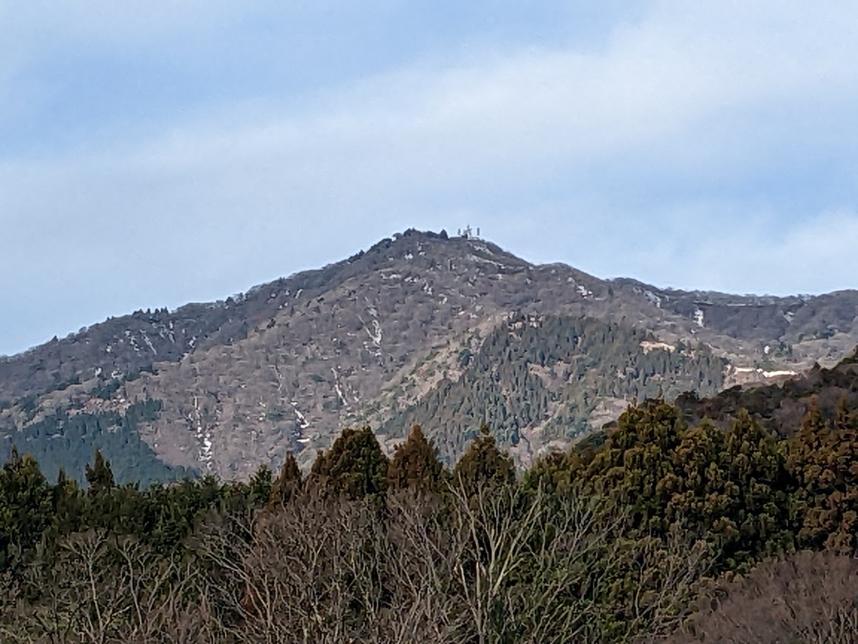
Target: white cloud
[[681, 119], [819, 249]]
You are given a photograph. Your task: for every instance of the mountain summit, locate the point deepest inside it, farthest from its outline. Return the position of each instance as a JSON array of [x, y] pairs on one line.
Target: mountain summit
[[445, 331]]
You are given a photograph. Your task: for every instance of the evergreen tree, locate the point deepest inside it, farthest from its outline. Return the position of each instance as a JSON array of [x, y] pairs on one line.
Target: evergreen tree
[[823, 460], [699, 487], [415, 464], [556, 472], [99, 476], [68, 504], [635, 464], [759, 483], [25, 507], [259, 486], [483, 464], [354, 466], [287, 484]]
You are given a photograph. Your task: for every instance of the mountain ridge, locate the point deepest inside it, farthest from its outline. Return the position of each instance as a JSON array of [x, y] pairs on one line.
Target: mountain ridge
[[283, 366]]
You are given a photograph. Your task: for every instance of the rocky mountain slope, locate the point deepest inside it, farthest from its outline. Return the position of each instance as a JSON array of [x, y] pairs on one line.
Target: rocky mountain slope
[[423, 328]]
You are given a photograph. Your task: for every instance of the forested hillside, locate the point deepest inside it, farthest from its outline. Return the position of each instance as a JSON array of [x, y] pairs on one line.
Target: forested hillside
[[538, 379], [66, 442], [666, 531]]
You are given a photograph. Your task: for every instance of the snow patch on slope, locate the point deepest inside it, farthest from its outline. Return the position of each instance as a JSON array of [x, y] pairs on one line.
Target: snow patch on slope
[[780, 373], [698, 317]]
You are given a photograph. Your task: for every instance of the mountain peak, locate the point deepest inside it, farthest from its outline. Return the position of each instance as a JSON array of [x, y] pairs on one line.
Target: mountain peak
[[420, 321]]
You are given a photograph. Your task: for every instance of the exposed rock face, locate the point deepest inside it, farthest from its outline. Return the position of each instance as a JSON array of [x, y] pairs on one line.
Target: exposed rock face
[[414, 325]]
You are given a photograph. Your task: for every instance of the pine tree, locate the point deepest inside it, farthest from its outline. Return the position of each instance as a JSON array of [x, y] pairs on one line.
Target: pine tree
[[483, 464], [354, 466], [415, 464], [99, 476]]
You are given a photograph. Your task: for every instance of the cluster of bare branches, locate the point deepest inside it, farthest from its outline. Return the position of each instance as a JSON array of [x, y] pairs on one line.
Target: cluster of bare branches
[[500, 564], [102, 588], [807, 597]]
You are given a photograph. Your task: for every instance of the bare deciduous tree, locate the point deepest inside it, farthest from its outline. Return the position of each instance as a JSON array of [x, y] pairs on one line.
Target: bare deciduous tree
[[100, 588], [807, 597], [521, 563], [503, 564], [310, 572]]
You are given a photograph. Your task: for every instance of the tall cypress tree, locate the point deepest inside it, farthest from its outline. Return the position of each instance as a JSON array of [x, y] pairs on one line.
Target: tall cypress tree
[[415, 464], [354, 466], [823, 460], [635, 466], [756, 469], [287, 484]]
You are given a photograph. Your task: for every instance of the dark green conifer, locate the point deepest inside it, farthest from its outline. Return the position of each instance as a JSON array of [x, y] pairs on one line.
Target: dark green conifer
[[354, 466], [99, 475], [287, 484], [68, 503], [699, 493], [556, 472], [823, 460], [754, 464], [259, 486], [635, 465], [483, 464], [25, 507], [415, 464]]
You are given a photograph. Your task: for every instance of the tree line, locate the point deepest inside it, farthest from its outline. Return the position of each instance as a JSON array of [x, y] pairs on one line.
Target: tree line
[[662, 532]]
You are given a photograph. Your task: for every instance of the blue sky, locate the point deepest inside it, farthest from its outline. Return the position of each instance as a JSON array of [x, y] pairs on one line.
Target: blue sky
[[157, 153]]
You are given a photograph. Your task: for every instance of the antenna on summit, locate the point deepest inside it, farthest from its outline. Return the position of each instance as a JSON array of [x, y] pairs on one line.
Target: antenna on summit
[[468, 233]]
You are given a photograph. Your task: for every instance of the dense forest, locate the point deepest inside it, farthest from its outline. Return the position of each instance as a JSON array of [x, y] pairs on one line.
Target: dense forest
[[552, 372], [780, 407], [663, 532]]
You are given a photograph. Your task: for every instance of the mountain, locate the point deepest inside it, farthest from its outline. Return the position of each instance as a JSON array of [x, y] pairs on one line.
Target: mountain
[[443, 331]]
